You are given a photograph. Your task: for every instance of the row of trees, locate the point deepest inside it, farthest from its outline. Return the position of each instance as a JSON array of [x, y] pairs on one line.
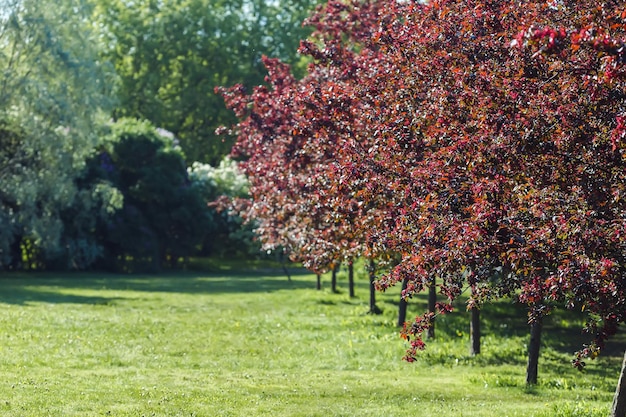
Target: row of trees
[[83, 183], [477, 143]]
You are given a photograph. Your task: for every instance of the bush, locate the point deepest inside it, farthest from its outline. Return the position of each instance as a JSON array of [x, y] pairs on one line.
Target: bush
[[230, 235], [163, 219]]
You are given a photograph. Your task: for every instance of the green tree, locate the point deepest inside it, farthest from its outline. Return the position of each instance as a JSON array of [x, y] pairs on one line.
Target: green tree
[[163, 218], [51, 93], [170, 55]]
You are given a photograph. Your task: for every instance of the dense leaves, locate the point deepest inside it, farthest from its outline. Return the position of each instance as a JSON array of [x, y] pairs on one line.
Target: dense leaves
[[67, 67], [163, 219], [169, 56], [51, 95], [479, 141], [230, 236]]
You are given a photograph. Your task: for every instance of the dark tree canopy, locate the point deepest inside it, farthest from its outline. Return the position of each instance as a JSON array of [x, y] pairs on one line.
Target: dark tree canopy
[[162, 218]]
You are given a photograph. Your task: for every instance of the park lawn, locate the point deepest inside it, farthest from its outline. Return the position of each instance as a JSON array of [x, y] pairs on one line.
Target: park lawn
[[237, 343]]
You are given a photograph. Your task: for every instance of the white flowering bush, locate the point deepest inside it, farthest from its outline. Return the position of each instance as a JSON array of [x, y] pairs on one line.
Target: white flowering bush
[[232, 236], [225, 179]]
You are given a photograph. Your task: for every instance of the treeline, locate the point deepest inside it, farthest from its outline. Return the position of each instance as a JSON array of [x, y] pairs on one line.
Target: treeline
[[108, 155], [473, 149]]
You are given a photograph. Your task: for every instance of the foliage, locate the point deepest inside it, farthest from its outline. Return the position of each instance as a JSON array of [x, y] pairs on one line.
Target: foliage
[[481, 142], [163, 218], [230, 235], [252, 343], [82, 244], [289, 152], [169, 55], [224, 180], [51, 91]]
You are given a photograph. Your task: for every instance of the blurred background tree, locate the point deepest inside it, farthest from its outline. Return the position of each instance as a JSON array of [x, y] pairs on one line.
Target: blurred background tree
[[69, 69], [52, 90], [170, 55], [163, 219]]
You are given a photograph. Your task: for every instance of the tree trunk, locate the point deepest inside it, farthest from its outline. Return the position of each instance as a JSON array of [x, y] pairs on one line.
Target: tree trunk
[[403, 305], [475, 332], [619, 400], [533, 352], [351, 278], [432, 301], [333, 279], [372, 271], [283, 264], [319, 281]]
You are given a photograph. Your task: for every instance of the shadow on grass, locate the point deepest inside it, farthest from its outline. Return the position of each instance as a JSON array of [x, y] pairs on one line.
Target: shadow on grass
[[22, 288], [23, 296], [507, 320]]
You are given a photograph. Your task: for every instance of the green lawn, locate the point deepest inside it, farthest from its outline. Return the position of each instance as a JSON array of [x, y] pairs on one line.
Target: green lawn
[[235, 343]]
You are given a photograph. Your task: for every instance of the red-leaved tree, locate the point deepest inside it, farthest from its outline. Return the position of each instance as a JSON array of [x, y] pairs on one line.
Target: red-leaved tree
[[290, 139], [289, 154], [480, 141]]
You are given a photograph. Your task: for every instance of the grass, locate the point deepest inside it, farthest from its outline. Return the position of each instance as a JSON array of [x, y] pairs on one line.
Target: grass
[[234, 343]]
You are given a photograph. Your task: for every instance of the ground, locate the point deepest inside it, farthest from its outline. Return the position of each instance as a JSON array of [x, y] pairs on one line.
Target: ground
[[233, 342]]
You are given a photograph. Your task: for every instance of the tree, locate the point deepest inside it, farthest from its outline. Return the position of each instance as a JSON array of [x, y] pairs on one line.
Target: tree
[[475, 331], [461, 189], [351, 278], [293, 210], [52, 92], [475, 138], [501, 198], [163, 218], [373, 308], [169, 56]]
